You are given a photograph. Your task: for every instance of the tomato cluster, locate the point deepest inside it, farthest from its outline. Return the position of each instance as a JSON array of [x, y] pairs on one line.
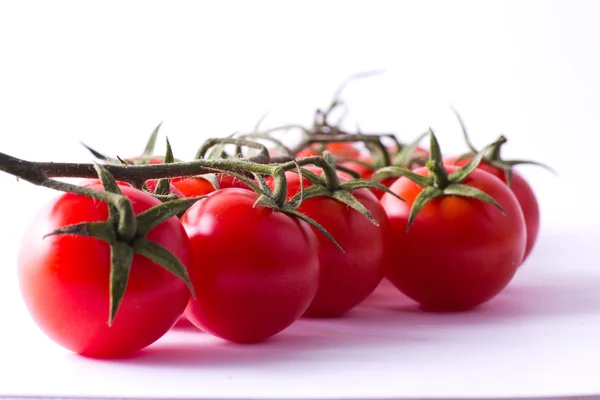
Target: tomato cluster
[[255, 251]]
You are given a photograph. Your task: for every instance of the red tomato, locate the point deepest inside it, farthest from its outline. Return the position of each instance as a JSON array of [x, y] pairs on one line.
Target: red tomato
[[193, 186], [255, 270], [346, 278], [524, 193], [64, 280], [228, 181], [459, 252]]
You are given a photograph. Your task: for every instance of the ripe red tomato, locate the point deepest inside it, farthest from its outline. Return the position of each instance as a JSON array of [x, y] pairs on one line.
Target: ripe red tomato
[[459, 252], [228, 181], [346, 278], [193, 186], [64, 280], [254, 270], [524, 193]]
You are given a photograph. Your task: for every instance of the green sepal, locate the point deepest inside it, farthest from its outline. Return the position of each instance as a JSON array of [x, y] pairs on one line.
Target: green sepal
[[99, 155], [426, 195], [108, 181], [389, 172], [121, 257], [164, 258], [163, 186], [262, 184], [458, 189], [97, 230], [347, 198], [492, 156], [405, 157], [151, 218], [151, 143], [311, 176], [110, 185], [463, 127], [288, 208], [312, 222], [463, 172], [443, 184], [368, 184]]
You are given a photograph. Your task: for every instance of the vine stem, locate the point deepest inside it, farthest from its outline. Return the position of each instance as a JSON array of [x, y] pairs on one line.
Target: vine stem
[[38, 172]]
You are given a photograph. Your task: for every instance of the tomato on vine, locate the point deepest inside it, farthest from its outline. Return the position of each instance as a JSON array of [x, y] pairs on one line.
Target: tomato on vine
[[94, 292], [255, 270], [458, 239], [493, 163], [348, 277]]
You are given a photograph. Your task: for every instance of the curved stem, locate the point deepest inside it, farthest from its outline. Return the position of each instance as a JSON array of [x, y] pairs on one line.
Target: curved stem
[[330, 177], [264, 152], [278, 143], [281, 188]]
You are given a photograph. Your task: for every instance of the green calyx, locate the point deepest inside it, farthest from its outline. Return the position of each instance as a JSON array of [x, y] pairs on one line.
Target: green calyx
[[329, 185], [493, 156], [439, 182], [126, 235]]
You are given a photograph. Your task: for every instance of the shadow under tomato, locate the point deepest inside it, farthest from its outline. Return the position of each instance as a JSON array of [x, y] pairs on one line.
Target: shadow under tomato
[[305, 341], [559, 278]]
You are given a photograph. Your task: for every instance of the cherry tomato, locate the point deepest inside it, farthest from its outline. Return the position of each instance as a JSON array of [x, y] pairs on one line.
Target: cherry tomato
[[254, 270], [228, 181], [524, 193], [64, 280], [193, 186], [459, 252], [346, 278]]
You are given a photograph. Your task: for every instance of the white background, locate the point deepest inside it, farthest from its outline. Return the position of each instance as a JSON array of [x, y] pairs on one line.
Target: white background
[[107, 72]]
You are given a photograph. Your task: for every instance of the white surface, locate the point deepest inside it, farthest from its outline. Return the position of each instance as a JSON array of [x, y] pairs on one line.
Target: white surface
[[538, 338], [107, 72]]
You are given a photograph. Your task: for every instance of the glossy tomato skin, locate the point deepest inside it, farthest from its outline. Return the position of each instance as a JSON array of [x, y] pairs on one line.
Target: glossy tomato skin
[[346, 278], [64, 280], [524, 193], [459, 252], [255, 270], [227, 181], [193, 186]]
